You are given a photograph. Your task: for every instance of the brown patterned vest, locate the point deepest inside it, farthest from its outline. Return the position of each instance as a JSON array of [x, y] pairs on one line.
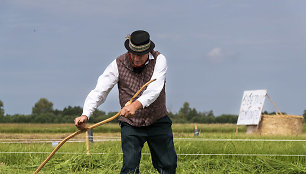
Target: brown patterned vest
[[130, 82]]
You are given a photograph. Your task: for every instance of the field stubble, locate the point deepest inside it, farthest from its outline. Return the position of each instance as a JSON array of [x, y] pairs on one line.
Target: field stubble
[[193, 152]]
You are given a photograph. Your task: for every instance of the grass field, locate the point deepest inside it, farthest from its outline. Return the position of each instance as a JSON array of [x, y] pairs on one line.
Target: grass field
[[218, 149]]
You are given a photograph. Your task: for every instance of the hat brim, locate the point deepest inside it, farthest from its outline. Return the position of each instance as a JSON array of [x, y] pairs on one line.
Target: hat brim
[[126, 44]]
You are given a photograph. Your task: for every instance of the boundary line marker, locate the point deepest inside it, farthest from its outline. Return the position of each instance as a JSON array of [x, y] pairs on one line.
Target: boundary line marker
[[75, 153]]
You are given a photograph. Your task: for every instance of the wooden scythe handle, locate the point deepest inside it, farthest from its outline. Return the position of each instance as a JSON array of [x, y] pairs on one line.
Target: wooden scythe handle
[[90, 127]]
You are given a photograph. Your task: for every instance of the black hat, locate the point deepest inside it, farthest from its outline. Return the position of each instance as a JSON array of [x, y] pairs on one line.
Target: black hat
[[139, 43]]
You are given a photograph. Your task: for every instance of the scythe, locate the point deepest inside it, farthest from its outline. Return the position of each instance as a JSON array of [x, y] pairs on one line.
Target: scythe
[[90, 127]]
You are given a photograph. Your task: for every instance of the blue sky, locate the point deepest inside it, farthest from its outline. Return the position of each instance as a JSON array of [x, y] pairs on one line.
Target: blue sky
[[215, 50]]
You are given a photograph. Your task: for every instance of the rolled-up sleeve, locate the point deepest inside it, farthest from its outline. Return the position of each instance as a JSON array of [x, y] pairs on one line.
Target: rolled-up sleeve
[[153, 90]]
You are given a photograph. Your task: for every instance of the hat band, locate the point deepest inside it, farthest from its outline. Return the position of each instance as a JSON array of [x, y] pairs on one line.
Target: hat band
[[139, 48]]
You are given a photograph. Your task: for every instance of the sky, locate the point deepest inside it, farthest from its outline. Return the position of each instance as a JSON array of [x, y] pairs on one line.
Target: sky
[[215, 50]]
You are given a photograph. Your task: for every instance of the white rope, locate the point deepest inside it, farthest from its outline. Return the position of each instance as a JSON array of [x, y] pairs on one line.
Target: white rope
[[210, 139], [27, 141], [208, 154], [70, 141], [30, 139]]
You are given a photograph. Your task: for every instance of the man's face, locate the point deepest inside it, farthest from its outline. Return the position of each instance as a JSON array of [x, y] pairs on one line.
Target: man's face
[[139, 60]]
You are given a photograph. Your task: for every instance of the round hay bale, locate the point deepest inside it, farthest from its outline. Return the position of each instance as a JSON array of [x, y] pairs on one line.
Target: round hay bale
[[280, 125]]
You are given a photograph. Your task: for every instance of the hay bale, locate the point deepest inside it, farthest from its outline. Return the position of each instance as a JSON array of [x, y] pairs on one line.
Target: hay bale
[[280, 125]]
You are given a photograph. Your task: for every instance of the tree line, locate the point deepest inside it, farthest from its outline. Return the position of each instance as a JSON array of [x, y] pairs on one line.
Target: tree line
[[43, 112]]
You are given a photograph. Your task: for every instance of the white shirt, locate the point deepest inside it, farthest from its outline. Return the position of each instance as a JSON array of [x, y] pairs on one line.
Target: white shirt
[[110, 77]]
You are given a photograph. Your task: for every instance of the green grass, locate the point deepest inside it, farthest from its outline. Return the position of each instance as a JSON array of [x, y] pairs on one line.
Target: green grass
[[111, 128], [111, 159]]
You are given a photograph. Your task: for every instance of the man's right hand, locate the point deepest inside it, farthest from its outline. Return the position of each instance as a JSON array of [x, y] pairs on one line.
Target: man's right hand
[[80, 122]]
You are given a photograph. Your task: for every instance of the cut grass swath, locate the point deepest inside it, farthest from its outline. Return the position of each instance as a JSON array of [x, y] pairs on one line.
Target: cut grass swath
[[90, 127]]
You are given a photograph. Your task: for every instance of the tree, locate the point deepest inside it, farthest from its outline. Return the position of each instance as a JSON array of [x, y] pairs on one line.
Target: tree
[[1, 109], [205, 117], [47, 117], [184, 112], [18, 118], [304, 116], [42, 106], [97, 116], [185, 109], [74, 111], [191, 115], [227, 118]]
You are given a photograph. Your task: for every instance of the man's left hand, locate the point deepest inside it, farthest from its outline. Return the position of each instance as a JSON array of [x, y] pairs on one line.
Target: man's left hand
[[130, 109]]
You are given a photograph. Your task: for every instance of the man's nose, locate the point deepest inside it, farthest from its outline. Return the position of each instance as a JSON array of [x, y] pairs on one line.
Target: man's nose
[[137, 58]]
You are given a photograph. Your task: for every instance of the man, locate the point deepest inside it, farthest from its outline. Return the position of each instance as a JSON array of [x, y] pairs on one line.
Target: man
[[145, 119]]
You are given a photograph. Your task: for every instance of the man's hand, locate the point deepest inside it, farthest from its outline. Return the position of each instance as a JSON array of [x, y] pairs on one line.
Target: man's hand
[[80, 122], [129, 109]]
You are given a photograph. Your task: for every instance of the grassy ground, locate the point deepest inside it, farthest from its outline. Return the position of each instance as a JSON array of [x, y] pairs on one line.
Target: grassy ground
[[106, 156]]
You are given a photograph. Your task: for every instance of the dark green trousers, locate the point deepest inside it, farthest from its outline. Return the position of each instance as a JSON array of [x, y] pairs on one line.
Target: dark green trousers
[[160, 141]]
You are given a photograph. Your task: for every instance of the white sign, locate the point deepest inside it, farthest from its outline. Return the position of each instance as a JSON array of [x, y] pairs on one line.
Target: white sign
[[251, 107]]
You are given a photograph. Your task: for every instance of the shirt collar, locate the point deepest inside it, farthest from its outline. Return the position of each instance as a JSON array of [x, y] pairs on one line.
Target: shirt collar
[[150, 58]]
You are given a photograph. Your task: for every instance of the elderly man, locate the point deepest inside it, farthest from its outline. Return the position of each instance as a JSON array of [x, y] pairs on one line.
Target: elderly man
[[145, 119]]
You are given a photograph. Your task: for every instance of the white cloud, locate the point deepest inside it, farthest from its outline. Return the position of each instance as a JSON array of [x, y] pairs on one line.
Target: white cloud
[[216, 52], [215, 55], [219, 55]]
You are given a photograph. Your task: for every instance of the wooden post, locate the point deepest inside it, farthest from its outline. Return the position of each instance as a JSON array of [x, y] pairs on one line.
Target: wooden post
[[274, 105], [87, 143]]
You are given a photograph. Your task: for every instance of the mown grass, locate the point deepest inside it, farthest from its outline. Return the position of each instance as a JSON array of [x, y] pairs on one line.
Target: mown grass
[[111, 128], [111, 159]]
